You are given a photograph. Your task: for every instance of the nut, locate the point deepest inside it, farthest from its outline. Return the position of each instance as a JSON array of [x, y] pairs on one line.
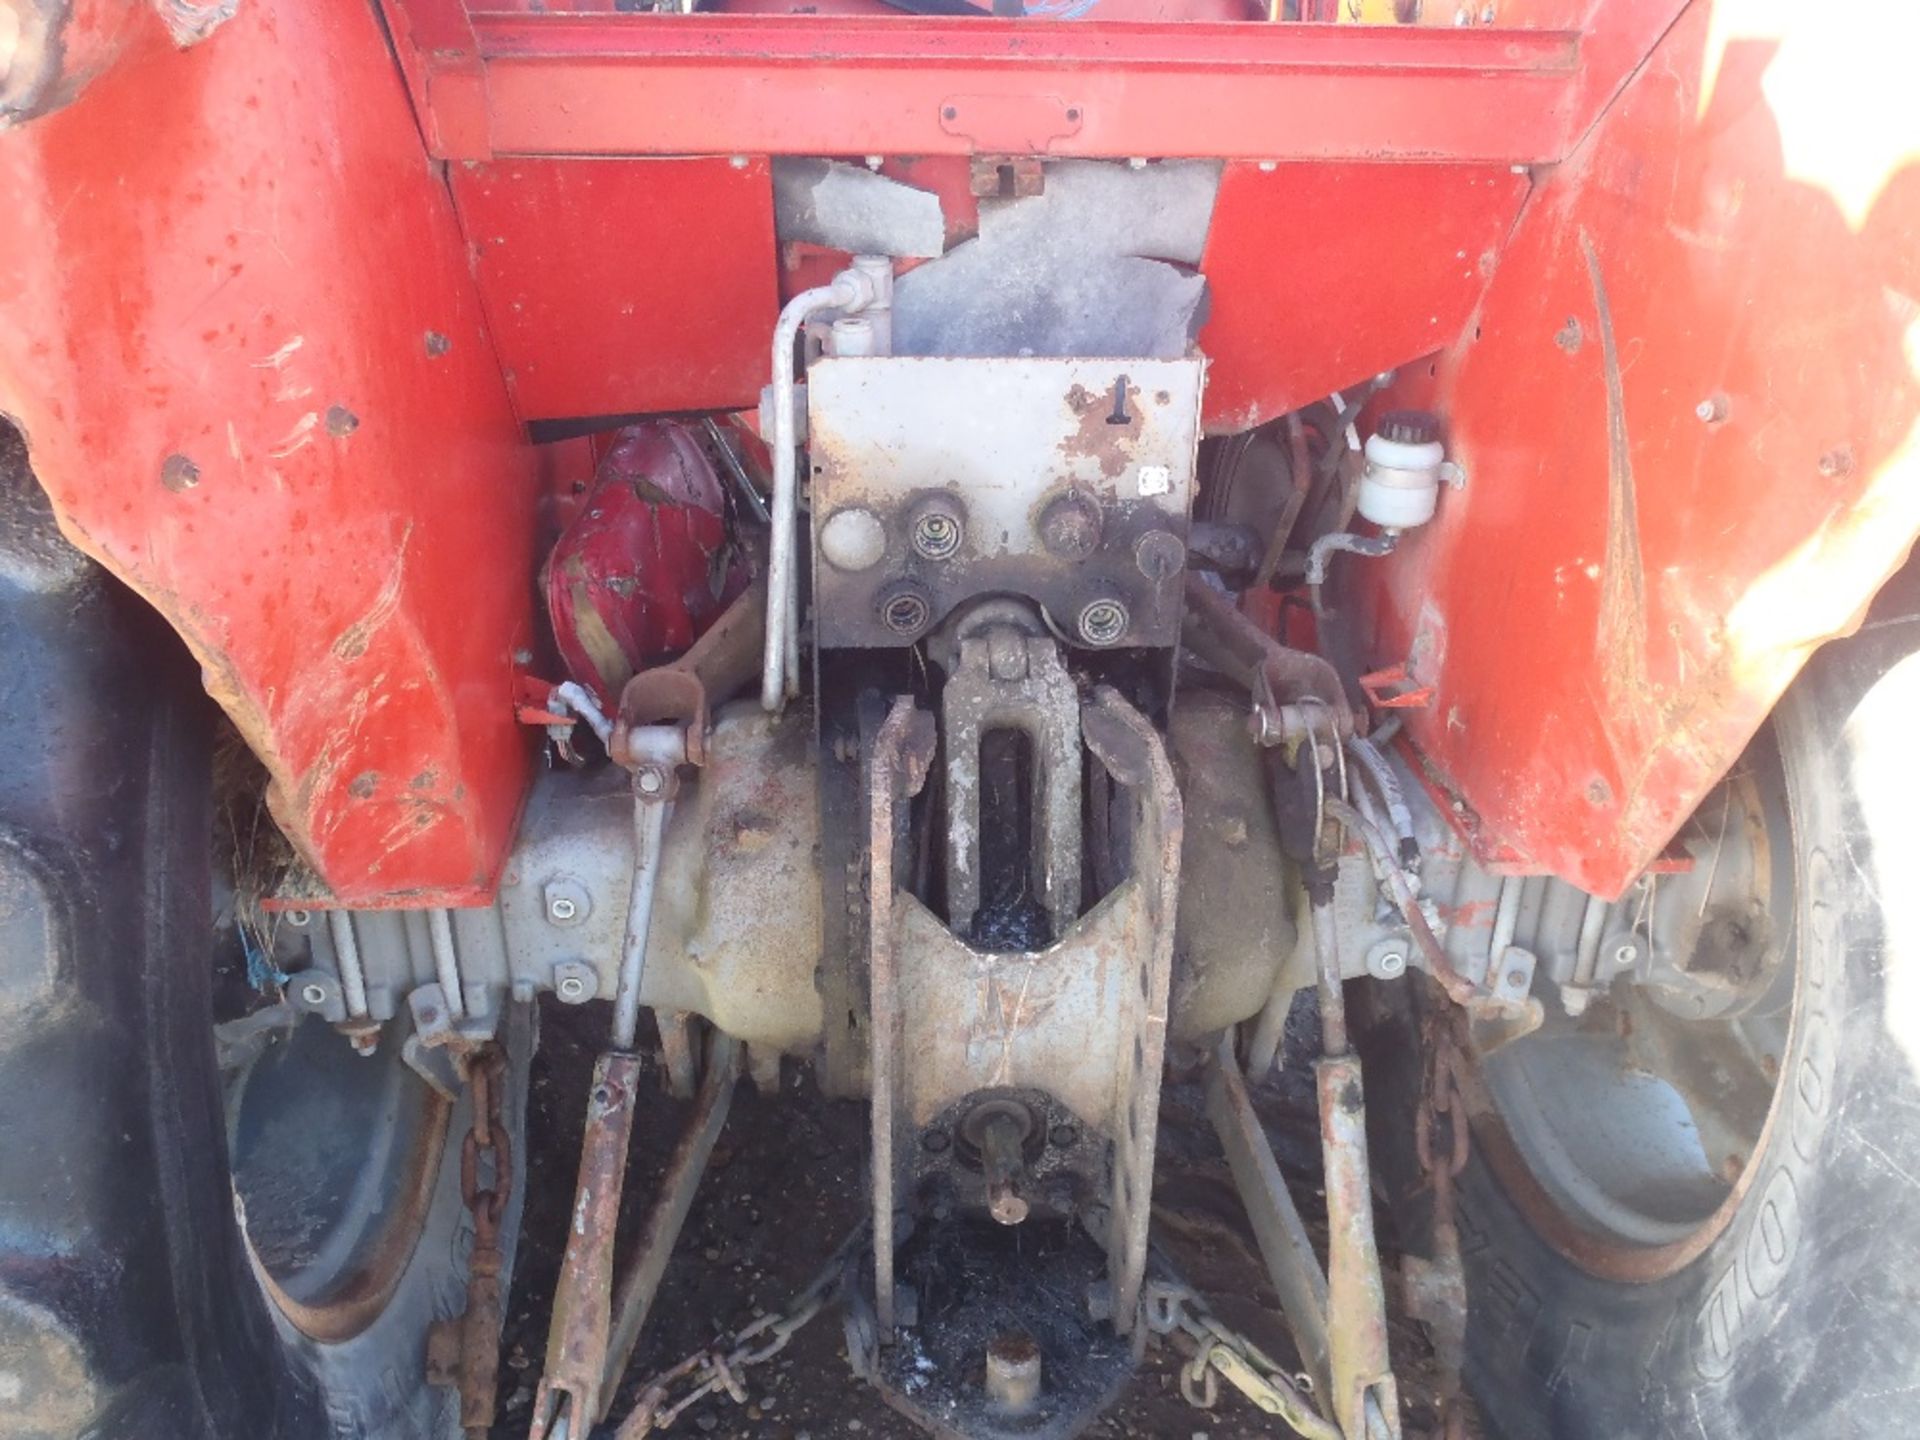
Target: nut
[[567, 901], [1103, 622], [1387, 960], [575, 982]]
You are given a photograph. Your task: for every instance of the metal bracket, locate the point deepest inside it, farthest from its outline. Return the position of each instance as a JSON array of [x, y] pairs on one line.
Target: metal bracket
[[1011, 124]]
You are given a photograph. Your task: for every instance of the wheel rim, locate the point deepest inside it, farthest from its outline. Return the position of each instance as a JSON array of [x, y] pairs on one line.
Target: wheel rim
[[336, 1157], [1627, 1134]]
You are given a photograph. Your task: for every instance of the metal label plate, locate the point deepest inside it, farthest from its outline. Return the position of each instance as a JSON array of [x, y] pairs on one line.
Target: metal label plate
[[1009, 440]]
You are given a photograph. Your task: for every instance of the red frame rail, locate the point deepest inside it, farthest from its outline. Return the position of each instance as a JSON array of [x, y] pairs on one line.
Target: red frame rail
[[493, 83]]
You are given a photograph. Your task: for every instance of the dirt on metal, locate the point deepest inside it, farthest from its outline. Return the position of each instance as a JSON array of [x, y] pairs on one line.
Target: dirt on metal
[[786, 1184]]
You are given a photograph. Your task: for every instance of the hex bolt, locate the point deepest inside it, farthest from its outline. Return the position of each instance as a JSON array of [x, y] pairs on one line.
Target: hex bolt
[[1070, 527], [1103, 622], [649, 781], [1160, 554], [1013, 1373], [937, 527]]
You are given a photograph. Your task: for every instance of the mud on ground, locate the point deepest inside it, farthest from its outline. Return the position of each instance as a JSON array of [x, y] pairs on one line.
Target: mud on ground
[[787, 1185]]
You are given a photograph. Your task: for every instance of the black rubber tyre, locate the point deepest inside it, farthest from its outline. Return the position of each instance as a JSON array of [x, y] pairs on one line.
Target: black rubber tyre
[[367, 1367], [128, 1304], [1801, 1318]]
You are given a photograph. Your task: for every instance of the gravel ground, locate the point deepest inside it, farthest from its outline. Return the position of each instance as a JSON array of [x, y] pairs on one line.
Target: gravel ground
[[786, 1186]]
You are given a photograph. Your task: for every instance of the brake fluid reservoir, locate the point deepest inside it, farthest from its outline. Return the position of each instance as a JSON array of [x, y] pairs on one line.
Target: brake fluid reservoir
[[1405, 465]]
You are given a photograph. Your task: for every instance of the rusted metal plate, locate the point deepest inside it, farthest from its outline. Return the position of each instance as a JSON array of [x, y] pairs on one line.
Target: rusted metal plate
[[1048, 1020], [615, 288], [1007, 443], [1687, 413], [237, 329]]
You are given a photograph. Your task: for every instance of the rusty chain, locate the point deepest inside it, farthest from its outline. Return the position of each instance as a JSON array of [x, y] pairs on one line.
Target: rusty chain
[[1172, 1308], [720, 1367], [464, 1352], [1437, 1289]]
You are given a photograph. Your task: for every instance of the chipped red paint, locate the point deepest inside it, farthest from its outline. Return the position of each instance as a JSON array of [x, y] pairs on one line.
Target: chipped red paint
[[237, 328], [1687, 411], [244, 332]]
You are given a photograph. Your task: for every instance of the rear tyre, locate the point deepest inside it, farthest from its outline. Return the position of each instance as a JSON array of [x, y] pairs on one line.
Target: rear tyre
[[131, 1303], [1793, 1306]]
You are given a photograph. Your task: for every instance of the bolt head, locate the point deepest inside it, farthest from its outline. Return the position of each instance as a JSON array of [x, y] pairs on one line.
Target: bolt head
[[313, 994], [1160, 554], [1625, 954], [651, 782], [1070, 527], [299, 919], [1391, 963], [178, 473], [571, 987], [562, 909]]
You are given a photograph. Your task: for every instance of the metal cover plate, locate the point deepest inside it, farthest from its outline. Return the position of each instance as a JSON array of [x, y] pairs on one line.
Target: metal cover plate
[[1006, 438]]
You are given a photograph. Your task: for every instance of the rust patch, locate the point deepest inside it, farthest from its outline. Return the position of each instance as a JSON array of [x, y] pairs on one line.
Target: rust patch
[[1109, 427]]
